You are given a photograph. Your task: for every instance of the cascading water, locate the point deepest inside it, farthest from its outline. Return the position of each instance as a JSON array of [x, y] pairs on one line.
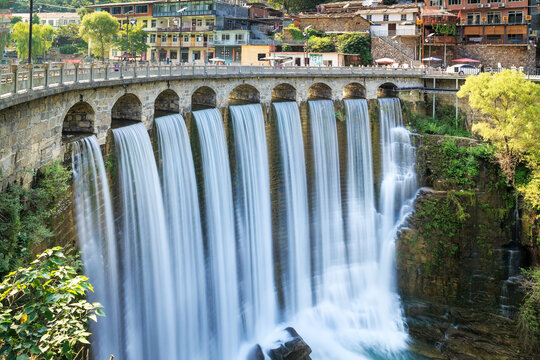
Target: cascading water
[[147, 278], [254, 220], [186, 240], [297, 287], [220, 234], [95, 229]]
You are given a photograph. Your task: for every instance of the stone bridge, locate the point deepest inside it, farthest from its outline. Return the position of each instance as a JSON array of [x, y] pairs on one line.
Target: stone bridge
[[36, 120]]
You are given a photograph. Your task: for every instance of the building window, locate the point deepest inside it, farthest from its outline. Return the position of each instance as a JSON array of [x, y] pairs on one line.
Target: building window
[[456, 2], [174, 38], [196, 55], [514, 0], [51, 22], [515, 38], [473, 1], [141, 9], [199, 22], [116, 10], [493, 1], [198, 38], [145, 23], [385, 17], [403, 17], [494, 17], [209, 22], [153, 23], [473, 18], [368, 17], [152, 38], [435, 2], [260, 57], [128, 9], [226, 37], [515, 17], [186, 38], [239, 37]]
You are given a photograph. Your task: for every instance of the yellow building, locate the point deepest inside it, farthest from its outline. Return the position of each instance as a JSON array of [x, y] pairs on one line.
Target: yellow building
[[253, 54]]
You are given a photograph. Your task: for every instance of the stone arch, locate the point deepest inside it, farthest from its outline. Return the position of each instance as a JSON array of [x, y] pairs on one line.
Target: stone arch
[[244, 94], [166, 103], [354, 90], [79, 119], [127, 108], [283, 92], [319, 91], [203, 97], [387, 89]]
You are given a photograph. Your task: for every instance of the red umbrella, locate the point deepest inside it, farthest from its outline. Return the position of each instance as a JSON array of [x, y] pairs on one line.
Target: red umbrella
[[466, 60]]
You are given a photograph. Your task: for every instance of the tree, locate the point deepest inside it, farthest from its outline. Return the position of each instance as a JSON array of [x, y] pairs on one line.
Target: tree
[[42, 37], [356, 43], [294, 6], [321, 44], [69, 41], [137, 39], [16, 19], [100, 30], [36, 19], [509, 109]]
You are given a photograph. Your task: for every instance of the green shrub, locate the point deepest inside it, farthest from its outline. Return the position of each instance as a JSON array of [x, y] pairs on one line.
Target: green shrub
[[43, 310], [529, 311], [69, 49], [26, 215]]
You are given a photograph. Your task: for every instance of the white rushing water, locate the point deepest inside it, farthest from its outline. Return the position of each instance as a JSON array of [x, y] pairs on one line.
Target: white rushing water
[[148, 289], [297, 283], [186, 240], [220, 234], [97, 241], [253, 213]]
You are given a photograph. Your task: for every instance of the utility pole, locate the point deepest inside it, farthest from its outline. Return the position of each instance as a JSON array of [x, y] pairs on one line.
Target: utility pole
[[30, 33]]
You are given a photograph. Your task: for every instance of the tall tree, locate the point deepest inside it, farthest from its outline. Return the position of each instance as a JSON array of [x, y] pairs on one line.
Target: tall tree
[[42, 37], [294, 6], [509, 111], [100, 30], [136, 43]]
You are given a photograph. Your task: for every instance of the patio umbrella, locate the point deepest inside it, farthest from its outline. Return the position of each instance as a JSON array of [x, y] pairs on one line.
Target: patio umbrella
[[216, 60], [384, 61], [431, 59], [466, 60]]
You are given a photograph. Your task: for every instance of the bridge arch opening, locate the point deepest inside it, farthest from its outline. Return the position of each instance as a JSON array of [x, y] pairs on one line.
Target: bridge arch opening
[[319, 91], [79, 120], [244, 94], [126, 110], [354, 91], [387, 90], [167, 102], [283, 92], [203, 98]]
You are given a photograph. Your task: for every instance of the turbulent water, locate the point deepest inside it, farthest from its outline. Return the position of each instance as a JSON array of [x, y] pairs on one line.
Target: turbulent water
[[185, 233], [220, 233], [253, 212], [97, 240], [199, 280]]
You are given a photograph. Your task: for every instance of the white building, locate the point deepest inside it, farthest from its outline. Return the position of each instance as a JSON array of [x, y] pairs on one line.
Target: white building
[[55, 19]]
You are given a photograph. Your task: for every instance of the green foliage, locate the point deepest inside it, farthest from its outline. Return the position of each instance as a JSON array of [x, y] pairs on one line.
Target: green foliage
[[36, 19], [69, 35], [42, 38], [100, 29], [356, 43], [321, 45], [137, 39], [43, 310], [510, 111], [26, 215], [295, 32], [529, 311], [444, 123], [68, 49], [16, 19], [294, 6]]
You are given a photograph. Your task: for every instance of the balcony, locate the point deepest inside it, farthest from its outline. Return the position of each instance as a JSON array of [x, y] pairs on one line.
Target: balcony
[[184, 29], [440, 40], [230, 42]]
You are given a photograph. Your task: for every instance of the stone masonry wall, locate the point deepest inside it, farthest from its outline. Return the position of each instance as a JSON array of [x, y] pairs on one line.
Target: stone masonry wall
[[381, 49], [507, 55]]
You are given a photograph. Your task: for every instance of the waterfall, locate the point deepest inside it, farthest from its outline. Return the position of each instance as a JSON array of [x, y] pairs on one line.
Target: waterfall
[[252, 205], [220, 233], [148, 289], [328, 242], [95, 230], [297, 287], [186, 240]]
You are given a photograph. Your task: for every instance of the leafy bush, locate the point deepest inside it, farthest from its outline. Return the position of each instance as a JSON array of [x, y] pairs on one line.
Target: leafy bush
[[463, 163], [26, 215], [321, 44], [444, 123], [356, 43], [529, 311], [68, 49], [43, 310]]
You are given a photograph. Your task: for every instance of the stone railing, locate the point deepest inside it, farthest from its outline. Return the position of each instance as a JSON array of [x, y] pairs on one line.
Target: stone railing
[[23, 79]]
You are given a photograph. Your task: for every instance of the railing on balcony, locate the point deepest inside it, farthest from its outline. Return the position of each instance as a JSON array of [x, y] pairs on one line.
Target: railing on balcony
[[184, 29], [440, 40]]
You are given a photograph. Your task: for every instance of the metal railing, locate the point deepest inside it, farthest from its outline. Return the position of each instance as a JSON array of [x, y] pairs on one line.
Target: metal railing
[[21, 79]]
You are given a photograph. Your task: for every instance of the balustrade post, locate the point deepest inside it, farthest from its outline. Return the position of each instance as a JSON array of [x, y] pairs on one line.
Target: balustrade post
[[30, 76], [15, 71], [76, 72], [193, 67], [106, 76], [121, 71], [135, 70], [170, 69], [46, 67], [61, 65], [148, 69], [159, 69], [92, 72]]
